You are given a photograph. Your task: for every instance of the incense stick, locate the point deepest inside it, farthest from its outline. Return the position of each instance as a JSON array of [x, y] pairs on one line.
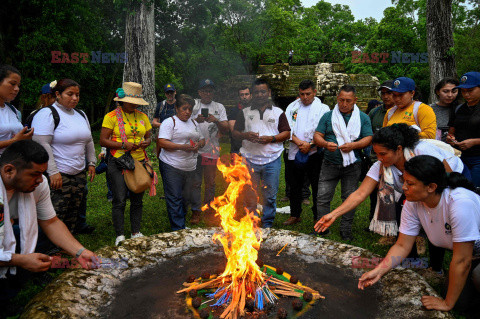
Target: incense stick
[[278, 254]]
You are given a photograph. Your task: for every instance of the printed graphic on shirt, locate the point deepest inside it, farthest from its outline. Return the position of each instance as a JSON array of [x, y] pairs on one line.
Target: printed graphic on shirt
[[448, 229]]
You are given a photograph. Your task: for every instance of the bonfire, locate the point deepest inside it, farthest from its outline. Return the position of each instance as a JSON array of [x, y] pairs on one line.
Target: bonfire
[[243, 281]]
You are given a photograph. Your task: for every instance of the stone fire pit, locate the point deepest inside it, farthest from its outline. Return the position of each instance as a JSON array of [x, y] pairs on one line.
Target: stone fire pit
[[98, 293]]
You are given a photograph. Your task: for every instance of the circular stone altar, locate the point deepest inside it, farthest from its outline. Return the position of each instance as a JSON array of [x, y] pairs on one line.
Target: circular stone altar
[[153, 268]]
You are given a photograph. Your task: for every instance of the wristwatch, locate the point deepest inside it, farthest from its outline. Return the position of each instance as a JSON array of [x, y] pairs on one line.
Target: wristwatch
[[273, 139], [123, 145]]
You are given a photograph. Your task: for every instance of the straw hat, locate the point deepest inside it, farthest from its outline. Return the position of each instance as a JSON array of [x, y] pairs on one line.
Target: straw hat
[[130, 92]]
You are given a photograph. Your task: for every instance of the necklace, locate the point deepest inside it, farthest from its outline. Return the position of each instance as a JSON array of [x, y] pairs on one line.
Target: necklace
[[133, 128]]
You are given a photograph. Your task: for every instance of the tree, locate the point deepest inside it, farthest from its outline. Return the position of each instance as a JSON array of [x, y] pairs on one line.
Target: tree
[[140, 49], [440, 42]]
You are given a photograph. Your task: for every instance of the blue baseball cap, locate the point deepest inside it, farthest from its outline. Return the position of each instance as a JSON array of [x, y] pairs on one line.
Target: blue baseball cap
[[46, 89], [168, 87], [469, 80], [204, 83], [403, 84]]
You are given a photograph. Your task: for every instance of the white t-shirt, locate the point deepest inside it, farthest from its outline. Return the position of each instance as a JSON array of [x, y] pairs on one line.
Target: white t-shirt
[[41, 194], [69, 139], [210, 130], [180, 133], [422, 148], [456, 218], [9, 124]]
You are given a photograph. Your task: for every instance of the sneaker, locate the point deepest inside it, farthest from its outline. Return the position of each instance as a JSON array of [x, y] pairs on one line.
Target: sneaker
[[137, 235], [292, 221], [119, 240]]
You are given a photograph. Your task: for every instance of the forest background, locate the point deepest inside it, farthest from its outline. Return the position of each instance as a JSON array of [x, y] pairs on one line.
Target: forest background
[[217, 39]]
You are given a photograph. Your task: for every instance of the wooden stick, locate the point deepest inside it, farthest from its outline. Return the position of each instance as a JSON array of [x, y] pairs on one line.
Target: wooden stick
[[278, 254], [289, 284], [199, 286], [242, 300]]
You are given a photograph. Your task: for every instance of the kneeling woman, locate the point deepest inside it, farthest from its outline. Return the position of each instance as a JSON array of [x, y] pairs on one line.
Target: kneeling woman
[[180, 139], [450, 215], [394, 145]]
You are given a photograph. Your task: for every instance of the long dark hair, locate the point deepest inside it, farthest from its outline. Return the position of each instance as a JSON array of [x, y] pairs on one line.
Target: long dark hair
[[429, 169], [397, 134]]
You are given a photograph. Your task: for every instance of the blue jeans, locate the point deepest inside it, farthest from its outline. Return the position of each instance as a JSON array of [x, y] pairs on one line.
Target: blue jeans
[[265, 178], [206, 169], [473, 164], [178, 190]]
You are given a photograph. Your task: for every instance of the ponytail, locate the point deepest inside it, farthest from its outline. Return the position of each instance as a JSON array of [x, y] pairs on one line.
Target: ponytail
[[429, 169]]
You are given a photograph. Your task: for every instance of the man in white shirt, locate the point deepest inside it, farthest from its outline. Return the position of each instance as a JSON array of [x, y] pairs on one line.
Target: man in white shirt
[[303, 116], [262, 128], [212, 119], [24, 205]]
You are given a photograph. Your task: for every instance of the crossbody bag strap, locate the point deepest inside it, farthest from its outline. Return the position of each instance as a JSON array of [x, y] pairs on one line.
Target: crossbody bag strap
[[121, 127]]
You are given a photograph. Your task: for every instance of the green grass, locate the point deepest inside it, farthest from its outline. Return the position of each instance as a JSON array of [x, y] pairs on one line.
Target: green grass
[[155, 220]]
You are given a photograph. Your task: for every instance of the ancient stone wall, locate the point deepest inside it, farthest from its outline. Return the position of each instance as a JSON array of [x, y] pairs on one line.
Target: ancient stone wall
[[284, 79]]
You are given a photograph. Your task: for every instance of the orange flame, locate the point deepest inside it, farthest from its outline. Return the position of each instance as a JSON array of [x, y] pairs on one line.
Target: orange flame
[[239, 240]]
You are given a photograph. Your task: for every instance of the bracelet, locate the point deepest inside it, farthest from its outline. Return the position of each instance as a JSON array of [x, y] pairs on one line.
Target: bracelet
[[79, 252], [273, 139], [123, 145]]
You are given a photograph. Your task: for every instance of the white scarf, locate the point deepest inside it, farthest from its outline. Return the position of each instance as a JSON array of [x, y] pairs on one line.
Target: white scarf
[[346, 133], [317, 109], [27, 219]]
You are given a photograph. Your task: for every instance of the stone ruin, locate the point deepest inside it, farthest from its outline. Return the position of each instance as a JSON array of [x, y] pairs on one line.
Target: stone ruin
[[284, 79]]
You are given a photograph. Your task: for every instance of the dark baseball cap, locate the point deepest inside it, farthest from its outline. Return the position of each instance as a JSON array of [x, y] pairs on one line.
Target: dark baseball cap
[[469, 80], [204, 83], [168, 87], [46, 89], [403, 84], [387, 84]]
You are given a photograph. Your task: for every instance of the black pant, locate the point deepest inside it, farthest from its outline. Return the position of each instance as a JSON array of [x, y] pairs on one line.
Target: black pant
[[436, 256], [310, 170], [288, 172], [120, 191]]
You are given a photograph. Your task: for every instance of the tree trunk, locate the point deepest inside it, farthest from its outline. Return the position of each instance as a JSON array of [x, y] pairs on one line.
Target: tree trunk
[[140, 49], [440, 43]]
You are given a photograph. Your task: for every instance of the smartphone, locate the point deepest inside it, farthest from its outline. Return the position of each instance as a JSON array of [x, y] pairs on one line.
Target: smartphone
[[204, 112], [28, 131]]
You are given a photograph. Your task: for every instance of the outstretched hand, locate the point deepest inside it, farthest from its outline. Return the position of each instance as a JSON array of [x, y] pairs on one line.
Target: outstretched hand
[[324, 222], [369, 278], [435, 303]]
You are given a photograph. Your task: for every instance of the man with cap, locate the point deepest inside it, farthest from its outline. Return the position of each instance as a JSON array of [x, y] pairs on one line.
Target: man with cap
[[212, 120], [378, 114], [166, 108], [464, 123], [410, 112]]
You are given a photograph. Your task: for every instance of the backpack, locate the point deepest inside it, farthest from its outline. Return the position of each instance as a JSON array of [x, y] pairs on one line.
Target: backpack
[[14, 110], [56, 116], [416, 106]]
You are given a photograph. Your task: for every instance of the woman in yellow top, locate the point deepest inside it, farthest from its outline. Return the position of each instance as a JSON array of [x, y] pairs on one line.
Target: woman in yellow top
[[410, 112], [138, 133]]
